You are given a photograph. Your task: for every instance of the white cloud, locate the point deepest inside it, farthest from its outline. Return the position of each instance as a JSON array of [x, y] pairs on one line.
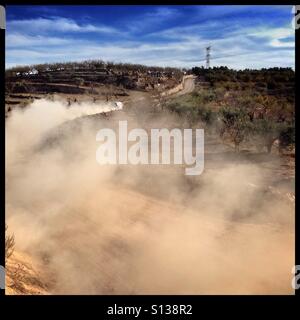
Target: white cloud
[[21, 40], [257, 60], [275, 36], [152, 19], [55, 24], [281, 44], [274, 33]]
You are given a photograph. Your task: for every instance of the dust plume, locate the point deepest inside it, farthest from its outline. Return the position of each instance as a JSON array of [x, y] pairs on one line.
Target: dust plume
[[139, 229]]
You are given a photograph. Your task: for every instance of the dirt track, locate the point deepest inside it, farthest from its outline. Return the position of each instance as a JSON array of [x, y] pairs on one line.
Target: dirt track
[[188, 86]]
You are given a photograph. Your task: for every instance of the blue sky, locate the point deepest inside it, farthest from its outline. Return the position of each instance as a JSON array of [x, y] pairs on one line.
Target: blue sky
[[241, 36]]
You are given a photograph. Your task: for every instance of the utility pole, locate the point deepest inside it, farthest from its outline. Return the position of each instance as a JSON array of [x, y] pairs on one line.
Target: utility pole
[[208, 57]]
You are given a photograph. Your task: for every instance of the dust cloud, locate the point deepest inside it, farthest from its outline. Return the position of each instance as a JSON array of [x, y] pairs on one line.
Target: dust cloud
[[139, 229]]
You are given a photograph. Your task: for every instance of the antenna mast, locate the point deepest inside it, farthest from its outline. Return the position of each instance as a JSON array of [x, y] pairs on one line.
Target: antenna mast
[[208, 57]]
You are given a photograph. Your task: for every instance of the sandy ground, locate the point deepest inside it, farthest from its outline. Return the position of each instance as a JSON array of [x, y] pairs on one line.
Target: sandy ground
[[235, 258], [25, 275]]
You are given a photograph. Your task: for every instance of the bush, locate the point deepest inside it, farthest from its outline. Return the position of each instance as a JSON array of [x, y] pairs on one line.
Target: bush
[[9, 244], [271, 85], [192, 111], [287, 135], [79, 81], [269, 130], [236, 124], [261, 85], [206, 115], [20, 87], [204, 96]]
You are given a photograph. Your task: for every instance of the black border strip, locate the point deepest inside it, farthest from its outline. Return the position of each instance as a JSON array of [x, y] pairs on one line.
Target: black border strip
[[2, 103], [96, 306]]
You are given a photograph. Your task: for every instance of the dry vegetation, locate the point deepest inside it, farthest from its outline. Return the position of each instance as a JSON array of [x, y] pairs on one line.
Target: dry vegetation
[[87, 76], [9, 244], [235, 103]]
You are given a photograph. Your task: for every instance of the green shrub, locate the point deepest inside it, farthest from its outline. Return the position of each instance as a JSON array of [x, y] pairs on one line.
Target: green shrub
[[236, 124]]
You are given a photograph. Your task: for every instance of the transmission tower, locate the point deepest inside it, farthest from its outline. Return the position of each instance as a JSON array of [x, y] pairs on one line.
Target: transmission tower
[[208, 57]]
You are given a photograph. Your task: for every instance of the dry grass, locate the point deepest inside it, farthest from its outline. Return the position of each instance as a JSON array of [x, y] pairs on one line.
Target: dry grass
[[9, 244], [21, 276]]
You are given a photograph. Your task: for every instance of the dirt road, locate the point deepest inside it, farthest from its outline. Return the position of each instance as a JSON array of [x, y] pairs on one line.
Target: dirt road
[[188, 86]]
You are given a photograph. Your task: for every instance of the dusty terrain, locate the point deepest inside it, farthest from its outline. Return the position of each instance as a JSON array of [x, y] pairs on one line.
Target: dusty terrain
[[85, 229]]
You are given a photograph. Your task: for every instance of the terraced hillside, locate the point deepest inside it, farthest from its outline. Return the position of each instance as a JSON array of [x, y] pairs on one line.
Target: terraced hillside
[[90, 78]]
